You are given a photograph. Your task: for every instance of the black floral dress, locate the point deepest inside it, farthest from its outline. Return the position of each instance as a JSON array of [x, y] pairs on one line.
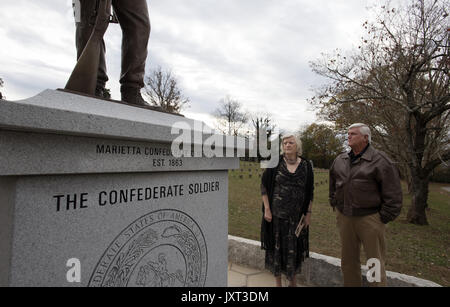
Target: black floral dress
[[288, 197]]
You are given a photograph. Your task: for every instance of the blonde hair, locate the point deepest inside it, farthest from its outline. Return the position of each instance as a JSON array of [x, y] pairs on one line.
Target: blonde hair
[[298, 142]]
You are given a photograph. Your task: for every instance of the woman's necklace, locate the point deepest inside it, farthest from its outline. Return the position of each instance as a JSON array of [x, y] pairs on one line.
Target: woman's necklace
[[291, 161]]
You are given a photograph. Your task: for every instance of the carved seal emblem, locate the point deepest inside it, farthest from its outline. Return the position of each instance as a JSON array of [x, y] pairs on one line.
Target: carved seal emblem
[[164, 248]]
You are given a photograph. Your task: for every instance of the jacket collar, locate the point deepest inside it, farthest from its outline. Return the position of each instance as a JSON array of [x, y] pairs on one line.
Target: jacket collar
[[367, 155]]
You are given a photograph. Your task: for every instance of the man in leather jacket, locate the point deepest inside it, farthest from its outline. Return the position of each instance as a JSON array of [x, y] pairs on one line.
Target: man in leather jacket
[[365, 188]]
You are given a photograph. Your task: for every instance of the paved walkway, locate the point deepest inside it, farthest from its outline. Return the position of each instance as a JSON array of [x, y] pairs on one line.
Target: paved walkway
[[446, 189], [240, 276]]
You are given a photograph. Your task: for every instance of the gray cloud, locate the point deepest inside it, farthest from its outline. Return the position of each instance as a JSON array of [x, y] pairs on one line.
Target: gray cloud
[[254, 50]]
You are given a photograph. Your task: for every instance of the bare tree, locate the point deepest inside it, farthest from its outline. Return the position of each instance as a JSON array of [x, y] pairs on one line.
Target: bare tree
[[260, 122], [161, 89], [230, 116], [397, 82], [107, 93], [1, 85]]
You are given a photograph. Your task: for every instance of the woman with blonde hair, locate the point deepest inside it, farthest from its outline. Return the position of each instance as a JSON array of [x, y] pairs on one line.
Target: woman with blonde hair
[[287, 193]]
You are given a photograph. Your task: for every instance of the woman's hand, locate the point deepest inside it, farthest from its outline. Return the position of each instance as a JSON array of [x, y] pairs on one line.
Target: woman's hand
[[268, 215], [307, 219]]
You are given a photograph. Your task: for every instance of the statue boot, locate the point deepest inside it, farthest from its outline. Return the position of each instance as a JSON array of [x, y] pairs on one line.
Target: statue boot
[[132, 95]]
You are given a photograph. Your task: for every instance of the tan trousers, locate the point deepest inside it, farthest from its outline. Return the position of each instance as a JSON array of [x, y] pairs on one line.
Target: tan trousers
[[135, 24], [355, 231]]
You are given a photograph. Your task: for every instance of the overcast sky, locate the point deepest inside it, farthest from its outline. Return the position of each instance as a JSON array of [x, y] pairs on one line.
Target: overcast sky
[[256, 51]]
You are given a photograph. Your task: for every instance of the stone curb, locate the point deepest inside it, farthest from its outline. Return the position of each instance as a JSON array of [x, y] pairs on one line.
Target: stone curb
[[318, 270]]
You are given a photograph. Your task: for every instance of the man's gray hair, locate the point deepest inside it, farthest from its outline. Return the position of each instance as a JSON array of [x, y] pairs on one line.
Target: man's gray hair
[[297, 141], [364, 129]]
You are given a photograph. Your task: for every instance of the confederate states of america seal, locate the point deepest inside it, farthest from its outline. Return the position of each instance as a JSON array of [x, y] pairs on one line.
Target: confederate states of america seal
[[164, 248]]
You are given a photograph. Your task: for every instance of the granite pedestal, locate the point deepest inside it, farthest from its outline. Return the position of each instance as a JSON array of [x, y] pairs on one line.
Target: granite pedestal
[[92, 195]]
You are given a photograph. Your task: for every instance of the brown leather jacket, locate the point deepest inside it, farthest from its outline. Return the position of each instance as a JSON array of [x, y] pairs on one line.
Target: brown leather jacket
[[368, 185]]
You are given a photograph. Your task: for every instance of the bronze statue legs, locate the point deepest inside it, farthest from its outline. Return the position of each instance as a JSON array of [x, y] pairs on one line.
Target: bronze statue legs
[[135, 24]]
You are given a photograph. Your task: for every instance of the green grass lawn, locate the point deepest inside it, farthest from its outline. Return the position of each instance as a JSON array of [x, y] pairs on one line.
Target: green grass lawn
[[420, 251]]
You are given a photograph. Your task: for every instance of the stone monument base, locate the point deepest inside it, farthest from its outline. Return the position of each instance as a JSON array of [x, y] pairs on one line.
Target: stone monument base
[[91, 195]]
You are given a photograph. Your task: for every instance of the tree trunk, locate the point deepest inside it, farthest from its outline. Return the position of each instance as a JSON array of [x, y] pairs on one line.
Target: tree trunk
[[416, 213], [405, 174]]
